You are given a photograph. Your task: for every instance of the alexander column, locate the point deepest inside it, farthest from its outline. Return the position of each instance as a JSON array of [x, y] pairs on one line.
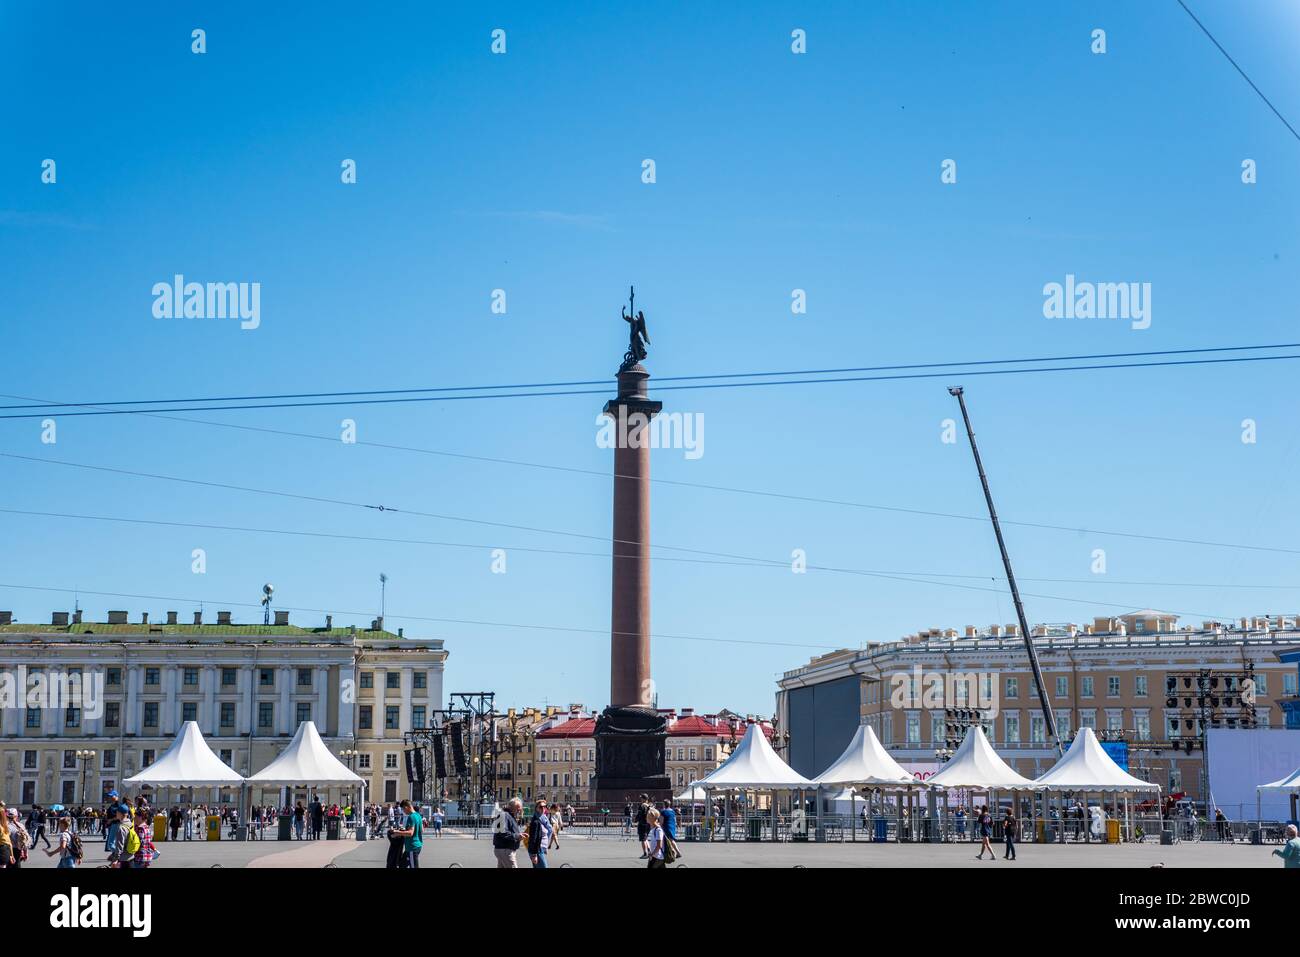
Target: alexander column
[[630, 734]]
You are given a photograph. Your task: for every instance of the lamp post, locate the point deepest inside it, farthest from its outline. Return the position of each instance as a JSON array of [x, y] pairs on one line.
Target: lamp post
[[352, 755], [515, 738], [85, 757]]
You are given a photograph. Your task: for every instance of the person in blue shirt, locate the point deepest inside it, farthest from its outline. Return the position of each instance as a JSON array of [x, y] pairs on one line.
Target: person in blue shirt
[[669, 815], [1290, 853], [412, 830]]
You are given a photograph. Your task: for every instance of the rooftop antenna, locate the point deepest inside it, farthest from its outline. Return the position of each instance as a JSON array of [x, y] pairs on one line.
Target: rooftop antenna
[[383, 593], [267, 589], [1049, 719]]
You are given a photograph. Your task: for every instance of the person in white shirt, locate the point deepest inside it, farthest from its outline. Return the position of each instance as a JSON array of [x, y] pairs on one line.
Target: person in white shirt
[[655, 841]]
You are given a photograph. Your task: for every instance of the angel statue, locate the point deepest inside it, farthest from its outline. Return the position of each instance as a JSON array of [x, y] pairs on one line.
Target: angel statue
[[638, 339]]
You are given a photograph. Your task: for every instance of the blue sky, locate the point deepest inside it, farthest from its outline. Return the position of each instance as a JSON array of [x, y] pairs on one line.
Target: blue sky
[[774, 172]]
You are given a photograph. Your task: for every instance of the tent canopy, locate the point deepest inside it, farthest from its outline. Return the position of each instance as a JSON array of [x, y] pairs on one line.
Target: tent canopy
[[865, 761], [977, 766], [189, 762], [694, 794], [305, 761], [754, 765], [1289, 783], [1086, 767]]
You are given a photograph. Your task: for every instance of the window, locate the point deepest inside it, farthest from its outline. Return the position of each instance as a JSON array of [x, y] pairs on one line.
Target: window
[[110, 760], [708, 754], [266, 678], [363, 762], [392, 719], [367, 717], [566, 780], [367, 679], [1112, 686], [1115, 720], [418, 716], [152, 676], [226, 756], [72, 717], [938, 728], [302, 712], [29, 760], [151, 714], [591, 754], [189, 711], [1142, 725], [227, 677], [1086, 681], [1013, 688], [265, 714], [1088, 719], [541, 757], [112, 714], [146, 757], [1140, 686], [555, 780], [390, 760], [70, 759], [113, 676], [1261, 684], [227, 714], [304, 677], [1012, 728], [690, 754], [1037, 729], [1063, 724], [421, 679], [33, 717], [392, 680], [1289, 682], [1062, 687], [190, 677]]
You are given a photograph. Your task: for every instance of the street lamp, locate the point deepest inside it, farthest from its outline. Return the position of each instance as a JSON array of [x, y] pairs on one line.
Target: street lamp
[[85, 757], [352, 755]]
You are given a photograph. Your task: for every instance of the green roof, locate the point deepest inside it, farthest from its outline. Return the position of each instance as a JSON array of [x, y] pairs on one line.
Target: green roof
[[136, 628]]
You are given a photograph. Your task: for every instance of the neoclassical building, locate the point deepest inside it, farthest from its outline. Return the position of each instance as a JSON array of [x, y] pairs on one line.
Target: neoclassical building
[[247, 686]]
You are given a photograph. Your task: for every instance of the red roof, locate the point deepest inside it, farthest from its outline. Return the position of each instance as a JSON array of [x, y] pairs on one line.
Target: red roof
[[700, 727], [572, 728]]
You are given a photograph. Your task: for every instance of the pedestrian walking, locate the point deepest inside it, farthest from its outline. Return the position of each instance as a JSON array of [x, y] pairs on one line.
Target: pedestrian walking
[[668, 815], [1010, 830], [557, 823], [539, 834], [18, 837], [438, 817], [655, 840], [69, 848], [507, 834], [960, 817], [1289, 852], [642, 825], [36, 826], [986, 833]]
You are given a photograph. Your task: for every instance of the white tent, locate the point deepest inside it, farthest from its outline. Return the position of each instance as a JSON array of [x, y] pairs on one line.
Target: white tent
[[189, 762], [1086, 767], [305, 761], [694, 794], [754, 766], [1289, 783], [977, 766], [865, 761]]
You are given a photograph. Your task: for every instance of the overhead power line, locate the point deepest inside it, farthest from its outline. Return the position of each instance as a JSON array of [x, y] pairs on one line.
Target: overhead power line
[[105, 404], [661, 388]]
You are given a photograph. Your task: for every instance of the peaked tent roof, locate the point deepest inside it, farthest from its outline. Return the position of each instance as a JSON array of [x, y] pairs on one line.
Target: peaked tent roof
[[865, 761], [976, 765], [694, 794], [189, 762], [1289, 783], [305, 761], [754, 765], [1086, 767]]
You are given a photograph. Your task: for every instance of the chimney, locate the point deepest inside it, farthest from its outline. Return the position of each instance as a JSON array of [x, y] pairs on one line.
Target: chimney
[[329, 622], [282, 618], [223, 618], [972, 631], [1013, 630], [379, 623], [76, 617], [6, 617], [144, 618], [995, 631], [1088, 629], [171, 617], [59, 618], [399, 632], [1073, 630], [117, 618], [198, 618]]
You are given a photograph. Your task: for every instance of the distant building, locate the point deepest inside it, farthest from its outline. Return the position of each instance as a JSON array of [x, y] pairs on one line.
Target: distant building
[[247, 686], [1111, 675]]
